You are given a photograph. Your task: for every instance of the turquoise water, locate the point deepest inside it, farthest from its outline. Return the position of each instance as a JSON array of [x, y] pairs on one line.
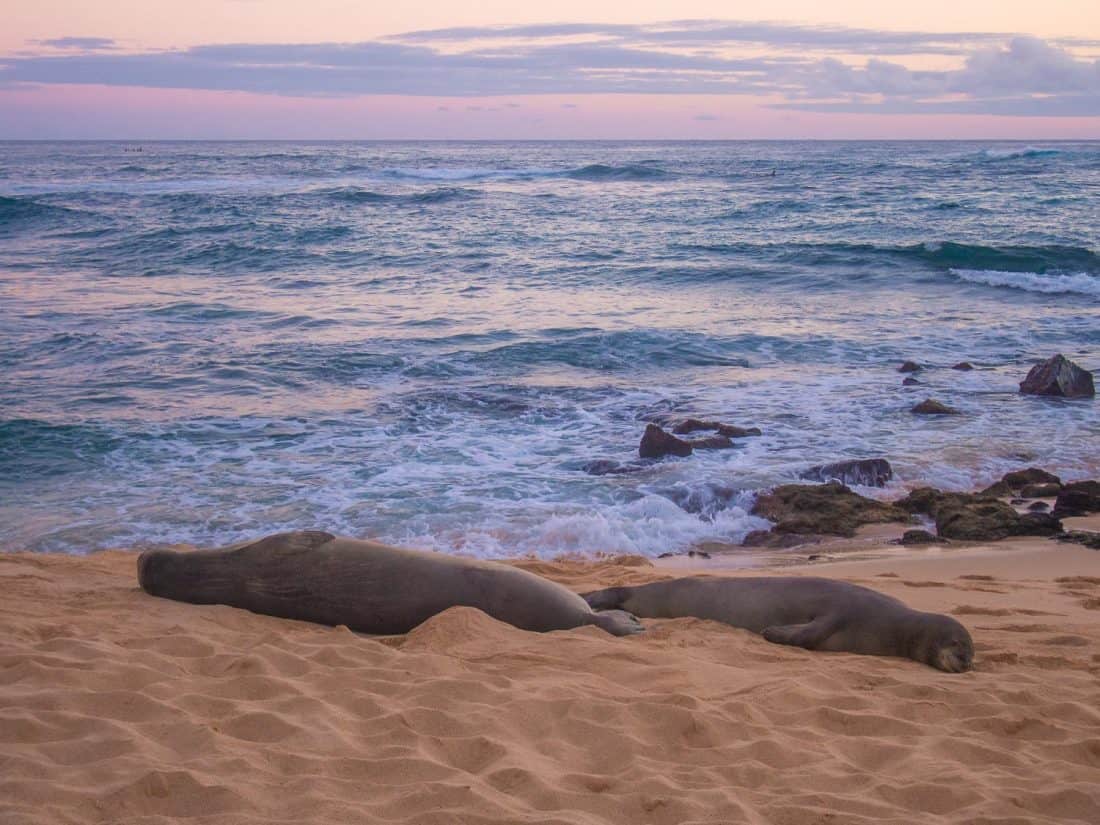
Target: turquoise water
[[426, 342]]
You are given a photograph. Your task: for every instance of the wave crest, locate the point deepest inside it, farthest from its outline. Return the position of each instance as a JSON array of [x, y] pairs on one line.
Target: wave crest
[[1080, 283], [367, 196], [605, 172], [1017, 152]]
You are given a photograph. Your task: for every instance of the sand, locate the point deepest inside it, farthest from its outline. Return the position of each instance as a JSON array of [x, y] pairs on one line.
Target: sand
[[116, 707]]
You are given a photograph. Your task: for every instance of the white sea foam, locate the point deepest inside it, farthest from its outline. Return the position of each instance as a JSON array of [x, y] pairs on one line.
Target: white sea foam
[[648, 526], [1078, 282]]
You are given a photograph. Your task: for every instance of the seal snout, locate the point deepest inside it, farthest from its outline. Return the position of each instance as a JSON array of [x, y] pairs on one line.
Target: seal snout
[[955, 655]]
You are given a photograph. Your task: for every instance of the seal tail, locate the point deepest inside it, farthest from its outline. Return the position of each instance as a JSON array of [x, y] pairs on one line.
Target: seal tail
[[610, 599]]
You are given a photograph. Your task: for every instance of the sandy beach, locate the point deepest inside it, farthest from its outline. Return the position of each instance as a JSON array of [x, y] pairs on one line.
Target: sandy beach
[[117, 707]]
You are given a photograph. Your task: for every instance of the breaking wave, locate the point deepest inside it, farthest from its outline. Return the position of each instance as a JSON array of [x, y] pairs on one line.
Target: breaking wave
[[1077, 282]]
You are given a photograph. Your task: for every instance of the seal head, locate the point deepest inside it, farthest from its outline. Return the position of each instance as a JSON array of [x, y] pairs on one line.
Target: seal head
[[943, 643]]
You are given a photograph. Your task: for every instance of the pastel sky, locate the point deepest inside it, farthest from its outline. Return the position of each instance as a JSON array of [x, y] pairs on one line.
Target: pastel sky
[[144, 69]]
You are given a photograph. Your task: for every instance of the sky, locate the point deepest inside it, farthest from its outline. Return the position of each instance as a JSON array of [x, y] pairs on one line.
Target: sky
[[625, 69]]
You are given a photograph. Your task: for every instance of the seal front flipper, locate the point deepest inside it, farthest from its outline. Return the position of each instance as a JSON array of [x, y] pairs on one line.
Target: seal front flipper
[[810, 635], [618, 622], [609, 599]]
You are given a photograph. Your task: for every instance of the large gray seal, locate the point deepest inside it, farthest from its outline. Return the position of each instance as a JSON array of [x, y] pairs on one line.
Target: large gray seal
[[814, 613], [370, 587]]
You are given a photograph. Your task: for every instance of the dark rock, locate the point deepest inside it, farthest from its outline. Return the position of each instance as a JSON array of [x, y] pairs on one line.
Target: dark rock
[[711, 442], [656, 443], [964, 366], [1017, 480], [1090, 540], [867, 472], [1038, 507], [920, 537], [1078, 498], [910, 382], [910, 366], [830, 509], [1039, 524], [930, 406], [1032, 475], [815, 557], [732, 431], [969, 517], [1041, 490], [692, 425], [1058, 376]]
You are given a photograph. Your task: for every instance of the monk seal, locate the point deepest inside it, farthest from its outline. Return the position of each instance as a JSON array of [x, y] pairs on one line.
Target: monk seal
[[372, 588], [814, 613]]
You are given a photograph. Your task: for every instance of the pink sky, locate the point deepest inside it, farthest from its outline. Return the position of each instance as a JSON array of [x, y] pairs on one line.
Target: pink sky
[[277, 69]]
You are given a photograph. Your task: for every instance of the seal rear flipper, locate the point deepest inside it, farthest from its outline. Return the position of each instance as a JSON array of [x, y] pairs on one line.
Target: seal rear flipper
[[609, 599], [810, 635]]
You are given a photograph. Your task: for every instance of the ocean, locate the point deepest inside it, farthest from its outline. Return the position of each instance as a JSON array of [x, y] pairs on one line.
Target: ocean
[[427, 343]]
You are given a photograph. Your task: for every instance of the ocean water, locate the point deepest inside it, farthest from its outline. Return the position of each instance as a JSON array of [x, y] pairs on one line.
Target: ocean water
[[426, 342]]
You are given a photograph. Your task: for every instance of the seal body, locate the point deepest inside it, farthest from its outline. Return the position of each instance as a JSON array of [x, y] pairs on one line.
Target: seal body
[[372, 588], [814, 613]]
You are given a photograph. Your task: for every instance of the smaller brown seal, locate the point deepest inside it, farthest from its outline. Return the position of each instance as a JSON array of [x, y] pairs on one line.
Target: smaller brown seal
[[372, 588], [814, 613]]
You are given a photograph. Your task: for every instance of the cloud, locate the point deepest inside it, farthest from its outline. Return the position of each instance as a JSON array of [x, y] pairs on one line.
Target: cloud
[[83, 43], [797, 67], [706, 117], [688, 33]]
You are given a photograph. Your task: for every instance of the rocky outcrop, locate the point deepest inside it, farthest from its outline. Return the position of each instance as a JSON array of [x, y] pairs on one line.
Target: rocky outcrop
[[1014, 483], [656, 443], [910, 366], [1058, 376], [1078, 499], [963, 366], [910, 381], [692, 425], [868, 472], [968, 517], [1041, 490], [822, 509], [1090, 540], [930, 406]]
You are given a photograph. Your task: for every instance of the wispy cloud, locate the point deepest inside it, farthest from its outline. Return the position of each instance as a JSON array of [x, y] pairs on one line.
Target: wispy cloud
[[83, 43], [801, 67]]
